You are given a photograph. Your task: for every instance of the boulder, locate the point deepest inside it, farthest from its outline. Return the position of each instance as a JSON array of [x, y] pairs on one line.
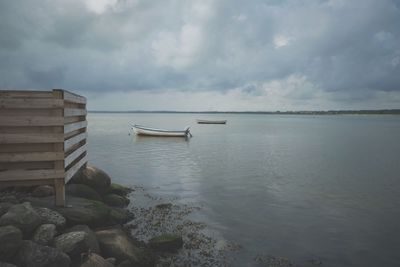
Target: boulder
[[51, 217], [125, 263], [10, 241], [166, 242], [43, 191], [75, 244], [115, 200], [116, 243], [120, 189], [4, 207], [34, 255], [94, 259], [22, 216], [6, 264], [44, 234], [91, 239], [93, 177], [82, 190]]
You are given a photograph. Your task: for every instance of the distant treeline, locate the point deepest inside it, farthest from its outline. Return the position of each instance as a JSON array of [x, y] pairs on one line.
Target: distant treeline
[[321, 112]]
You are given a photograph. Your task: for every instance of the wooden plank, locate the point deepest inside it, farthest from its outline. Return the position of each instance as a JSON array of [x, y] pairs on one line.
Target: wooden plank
[[74, 126], [25, 94], [74, 98], [30, 129], [71, 112], [69, 120], [29, 138], [19, 175], [33, 156], [71, 172], [74, 140], [26, 183], [31, 103], [38, 165], [31, 121], [74, 155], [59, 189], [38, 147]]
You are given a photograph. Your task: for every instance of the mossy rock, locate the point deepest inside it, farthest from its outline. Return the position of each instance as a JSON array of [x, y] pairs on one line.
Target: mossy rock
[[81, 190], [116, 200], [120, 189], [93, 177], [166, 242]]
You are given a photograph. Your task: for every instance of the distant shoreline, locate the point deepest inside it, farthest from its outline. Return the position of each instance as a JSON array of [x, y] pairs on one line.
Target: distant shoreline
[[327, 112]]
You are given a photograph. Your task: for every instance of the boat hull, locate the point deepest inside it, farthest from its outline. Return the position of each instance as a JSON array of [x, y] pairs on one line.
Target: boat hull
[[145, 131], [211, 121]]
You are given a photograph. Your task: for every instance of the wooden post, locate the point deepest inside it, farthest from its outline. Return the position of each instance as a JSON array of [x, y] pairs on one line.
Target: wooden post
[[59, 184]]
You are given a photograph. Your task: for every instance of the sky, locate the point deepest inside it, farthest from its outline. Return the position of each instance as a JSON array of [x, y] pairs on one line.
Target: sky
[[203, 55]]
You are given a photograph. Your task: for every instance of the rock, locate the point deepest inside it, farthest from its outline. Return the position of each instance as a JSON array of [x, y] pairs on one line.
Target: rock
[[116, 243], [166, 242], [81, 190], [43, 191], [94, 259], [86, 211], [10, 241], [116, 200], [6, 264], [163, 206], [120, 189], [125, 263], [44, 234], [93, 177], [34, 255], [91, 239], [75, 244], [9, 198], [113, 261], [22, 216], [51, 217], [4, 207]]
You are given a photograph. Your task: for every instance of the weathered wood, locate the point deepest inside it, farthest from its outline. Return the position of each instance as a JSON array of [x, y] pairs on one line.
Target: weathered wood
[[71, 172], [70, 112], [68, 120], [59, 189], [71, 97], [74, 126], [31, 103], [4, 184], [74, 140], [30, 121], [32, 156], [25, 94], [16, 175], [38, 147], [28, 138], [74, 155]]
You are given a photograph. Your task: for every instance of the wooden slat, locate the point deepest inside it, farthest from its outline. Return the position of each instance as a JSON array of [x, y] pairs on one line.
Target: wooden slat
[[69, 120], [25, 94], [18, 175], [74, 140], [26, 183], [31, 121], [71, 172], [74, 155], [29, 138], [74, 98], [70, 112], [27, 103], [33, 156], [74, 126]]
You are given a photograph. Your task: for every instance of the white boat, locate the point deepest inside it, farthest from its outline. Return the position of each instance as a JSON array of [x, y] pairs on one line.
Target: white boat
[[144, 130], [211, 121]]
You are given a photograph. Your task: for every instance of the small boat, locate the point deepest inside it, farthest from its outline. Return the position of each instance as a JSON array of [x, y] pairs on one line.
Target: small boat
[[211, 121], [143, 130]]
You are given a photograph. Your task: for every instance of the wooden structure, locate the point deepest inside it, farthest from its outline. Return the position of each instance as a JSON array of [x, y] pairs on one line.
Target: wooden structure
[[42, 138]]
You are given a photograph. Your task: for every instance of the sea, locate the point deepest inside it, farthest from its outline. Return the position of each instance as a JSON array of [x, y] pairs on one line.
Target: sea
[[317, 190]]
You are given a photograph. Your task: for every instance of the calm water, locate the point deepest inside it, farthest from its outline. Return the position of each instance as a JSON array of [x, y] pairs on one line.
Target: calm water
[[299, 187]]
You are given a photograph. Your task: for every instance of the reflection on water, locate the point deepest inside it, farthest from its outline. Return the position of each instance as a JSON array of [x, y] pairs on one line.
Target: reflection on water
[[299, 187]]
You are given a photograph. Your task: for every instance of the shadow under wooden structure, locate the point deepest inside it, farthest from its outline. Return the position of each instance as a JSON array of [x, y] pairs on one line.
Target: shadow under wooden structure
[[42, 138]]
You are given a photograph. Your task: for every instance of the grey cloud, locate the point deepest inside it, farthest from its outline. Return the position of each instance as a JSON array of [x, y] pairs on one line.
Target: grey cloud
[[200, 45]]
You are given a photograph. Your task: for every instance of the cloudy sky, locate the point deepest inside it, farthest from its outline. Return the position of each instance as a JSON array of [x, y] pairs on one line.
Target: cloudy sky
[[205, 54]]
